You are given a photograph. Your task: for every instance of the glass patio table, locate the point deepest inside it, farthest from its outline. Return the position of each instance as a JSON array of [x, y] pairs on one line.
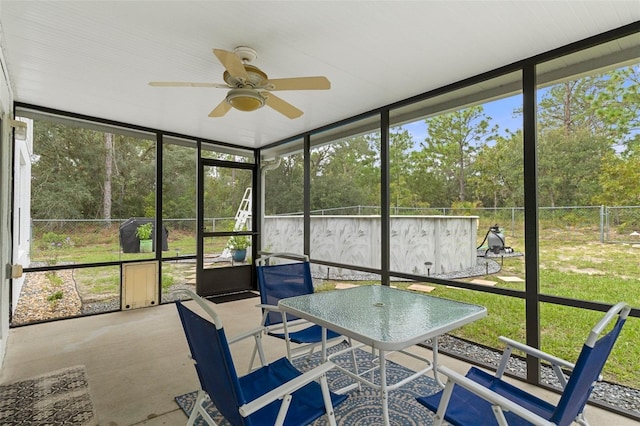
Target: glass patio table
[[387, 320]]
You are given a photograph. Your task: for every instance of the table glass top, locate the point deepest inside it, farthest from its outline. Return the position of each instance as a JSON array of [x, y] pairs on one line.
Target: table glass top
[[383, 314]]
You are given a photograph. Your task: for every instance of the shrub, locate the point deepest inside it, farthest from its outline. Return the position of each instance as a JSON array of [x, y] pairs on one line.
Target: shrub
[[144, 231]]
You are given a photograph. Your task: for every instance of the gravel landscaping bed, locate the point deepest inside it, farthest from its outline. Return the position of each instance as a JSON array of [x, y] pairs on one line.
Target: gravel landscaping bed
[[484, 266], [617, 396], [46, 296]]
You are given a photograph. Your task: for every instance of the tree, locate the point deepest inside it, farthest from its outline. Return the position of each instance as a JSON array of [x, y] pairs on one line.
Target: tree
[[619, 177], [568, 166], [582, 123], [71, 177], [179, 167], [345, 174], [65, 164], [452, 142], [134, 179], [108, 167], [284, 186], [618, 103], [400, 146], [429, 185], [223, 190], [498, 172], [568, 106]]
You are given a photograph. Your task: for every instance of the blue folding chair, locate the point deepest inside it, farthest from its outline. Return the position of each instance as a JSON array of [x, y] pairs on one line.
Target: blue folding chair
[[274, 394], [480, 398], [284, 280]]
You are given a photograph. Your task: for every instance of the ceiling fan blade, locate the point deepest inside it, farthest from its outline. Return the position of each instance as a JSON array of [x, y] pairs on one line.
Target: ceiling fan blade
[[283, 107], [232, 63], [186, 84], [300, 83], [222, 108]]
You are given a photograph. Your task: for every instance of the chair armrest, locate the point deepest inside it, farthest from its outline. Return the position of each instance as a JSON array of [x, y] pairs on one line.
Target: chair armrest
[[556, 363], [274, 308], [488, 395], [244, 335], [537, 353], [285, 389], [268, 307]]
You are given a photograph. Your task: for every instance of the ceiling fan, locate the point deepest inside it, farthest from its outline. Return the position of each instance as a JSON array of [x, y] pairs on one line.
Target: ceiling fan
[[250, 88]]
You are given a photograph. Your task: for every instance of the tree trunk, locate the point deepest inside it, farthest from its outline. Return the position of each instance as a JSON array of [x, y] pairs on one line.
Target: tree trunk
[[567, 109], [108, 171], [461, 182]]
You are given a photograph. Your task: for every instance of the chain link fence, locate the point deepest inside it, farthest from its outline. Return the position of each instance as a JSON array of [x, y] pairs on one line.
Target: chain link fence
[[605, 224], [54, 241], [96, 226], [50, 238], [622, 224]]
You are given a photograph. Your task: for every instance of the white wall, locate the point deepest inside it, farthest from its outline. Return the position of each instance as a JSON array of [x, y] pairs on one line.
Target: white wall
[[6, 157]]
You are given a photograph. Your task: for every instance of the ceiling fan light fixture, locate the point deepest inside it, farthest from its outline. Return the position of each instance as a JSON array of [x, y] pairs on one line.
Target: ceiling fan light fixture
[[245, 99]]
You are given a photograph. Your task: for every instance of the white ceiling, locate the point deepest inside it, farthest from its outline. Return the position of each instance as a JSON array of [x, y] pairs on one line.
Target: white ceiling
[[96, 57]]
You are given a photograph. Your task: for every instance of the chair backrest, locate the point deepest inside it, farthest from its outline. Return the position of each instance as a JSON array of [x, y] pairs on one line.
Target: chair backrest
[[277, 282], [214, 365], [590, 362]]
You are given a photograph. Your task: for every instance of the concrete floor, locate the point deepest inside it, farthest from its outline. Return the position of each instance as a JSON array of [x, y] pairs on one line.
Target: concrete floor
[[137, 361]]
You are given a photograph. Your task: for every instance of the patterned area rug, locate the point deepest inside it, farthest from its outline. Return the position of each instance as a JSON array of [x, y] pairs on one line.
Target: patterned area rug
[[362, 408], [57, 398]]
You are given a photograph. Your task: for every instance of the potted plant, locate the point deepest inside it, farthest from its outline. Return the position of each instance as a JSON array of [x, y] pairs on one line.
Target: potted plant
[[238, 245], [143, 232]]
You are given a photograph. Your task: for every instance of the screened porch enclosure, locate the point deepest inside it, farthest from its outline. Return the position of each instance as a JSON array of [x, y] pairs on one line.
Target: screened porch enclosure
[[355, 196]]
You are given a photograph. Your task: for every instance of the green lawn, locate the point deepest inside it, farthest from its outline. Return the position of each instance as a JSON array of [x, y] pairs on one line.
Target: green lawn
[[563, 330]]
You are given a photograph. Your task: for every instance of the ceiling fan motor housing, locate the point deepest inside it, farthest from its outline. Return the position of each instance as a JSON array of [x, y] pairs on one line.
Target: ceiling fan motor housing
[[257, 78]]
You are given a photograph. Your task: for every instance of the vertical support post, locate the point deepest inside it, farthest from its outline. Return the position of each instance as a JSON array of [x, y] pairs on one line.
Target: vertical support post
[[257, 206], [385, 196], [307, 196], [602, 222], [532, 284], [158, 225], [199, 216]]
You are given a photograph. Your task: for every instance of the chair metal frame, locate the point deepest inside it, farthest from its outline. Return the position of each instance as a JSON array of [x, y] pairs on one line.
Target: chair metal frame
[[288, 326], [500, 404], [284, 392]]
